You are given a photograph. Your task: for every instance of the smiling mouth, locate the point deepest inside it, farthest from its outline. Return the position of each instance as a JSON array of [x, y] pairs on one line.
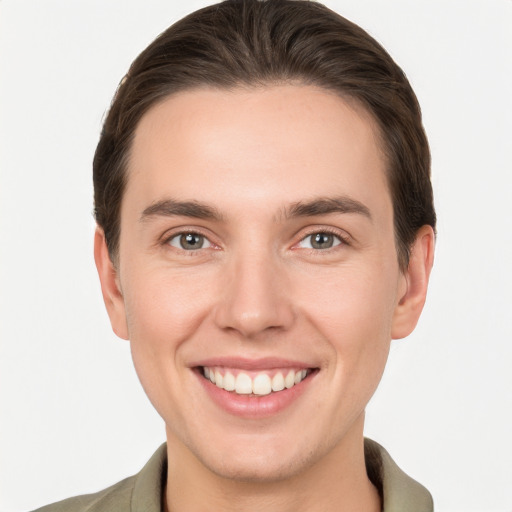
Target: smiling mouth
[[255, 383]]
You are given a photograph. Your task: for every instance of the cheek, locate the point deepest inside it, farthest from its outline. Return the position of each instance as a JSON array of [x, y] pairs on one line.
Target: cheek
[[164, 308], [353, 305], [163, 311], [353, 310]]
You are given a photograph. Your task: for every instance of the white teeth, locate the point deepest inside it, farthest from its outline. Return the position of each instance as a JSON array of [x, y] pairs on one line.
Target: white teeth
[[229, 382], [243, 384], [261, 384], [289, 380], [278, 382], [218, 379]]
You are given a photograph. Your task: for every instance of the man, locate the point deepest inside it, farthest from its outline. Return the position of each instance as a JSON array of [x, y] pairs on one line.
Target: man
[[265, 228]]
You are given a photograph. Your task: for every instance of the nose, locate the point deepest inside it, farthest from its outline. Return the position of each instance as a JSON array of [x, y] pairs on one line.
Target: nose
[[255, 297]]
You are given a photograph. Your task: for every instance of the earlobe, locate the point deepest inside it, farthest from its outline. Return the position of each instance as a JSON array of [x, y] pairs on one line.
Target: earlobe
[[112, 296], [411, 302]]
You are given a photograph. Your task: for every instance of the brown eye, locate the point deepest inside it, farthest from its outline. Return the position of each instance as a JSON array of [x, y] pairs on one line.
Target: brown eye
[[319, 241], [189, 241]]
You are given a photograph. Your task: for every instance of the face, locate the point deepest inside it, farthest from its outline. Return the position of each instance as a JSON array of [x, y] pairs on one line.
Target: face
[[258, 276]]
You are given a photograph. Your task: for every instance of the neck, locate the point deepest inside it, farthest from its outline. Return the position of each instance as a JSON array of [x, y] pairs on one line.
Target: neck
[[337, 481]]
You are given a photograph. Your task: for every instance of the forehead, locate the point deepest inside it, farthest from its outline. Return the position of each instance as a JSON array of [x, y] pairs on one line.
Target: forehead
[[281, 144]]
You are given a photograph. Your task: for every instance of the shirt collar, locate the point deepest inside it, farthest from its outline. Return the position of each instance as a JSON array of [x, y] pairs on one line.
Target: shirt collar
[[399, 492]]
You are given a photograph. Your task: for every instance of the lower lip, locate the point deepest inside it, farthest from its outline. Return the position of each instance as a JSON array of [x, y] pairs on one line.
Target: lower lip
[[254, 406]]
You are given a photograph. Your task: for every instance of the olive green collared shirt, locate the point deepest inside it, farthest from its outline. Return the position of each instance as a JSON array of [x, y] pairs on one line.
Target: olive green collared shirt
[[143, 492]]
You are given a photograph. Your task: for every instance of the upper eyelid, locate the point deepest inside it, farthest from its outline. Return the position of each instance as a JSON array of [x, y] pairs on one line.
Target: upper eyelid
[[340, 233], [342, 242], [183, 230], [178, 235], [303, 233]]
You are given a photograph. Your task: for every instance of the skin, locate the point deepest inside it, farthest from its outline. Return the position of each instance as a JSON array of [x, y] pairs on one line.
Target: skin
[[257, 288]]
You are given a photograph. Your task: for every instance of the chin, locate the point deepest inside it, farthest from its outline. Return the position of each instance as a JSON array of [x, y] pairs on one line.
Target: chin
[[258, 459], [245, 468]]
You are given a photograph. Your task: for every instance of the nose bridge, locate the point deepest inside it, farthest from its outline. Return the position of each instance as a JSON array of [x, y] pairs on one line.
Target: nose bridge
[[254, 299]]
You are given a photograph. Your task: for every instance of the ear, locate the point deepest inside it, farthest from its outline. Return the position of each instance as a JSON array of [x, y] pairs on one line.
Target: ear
[[410, 305], [110, 287]]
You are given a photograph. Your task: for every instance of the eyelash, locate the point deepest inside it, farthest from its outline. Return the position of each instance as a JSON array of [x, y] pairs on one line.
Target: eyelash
[[167, 240], [343, 240]]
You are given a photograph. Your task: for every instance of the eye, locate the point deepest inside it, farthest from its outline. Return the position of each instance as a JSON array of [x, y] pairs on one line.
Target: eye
[[189, 241], [320, 240]]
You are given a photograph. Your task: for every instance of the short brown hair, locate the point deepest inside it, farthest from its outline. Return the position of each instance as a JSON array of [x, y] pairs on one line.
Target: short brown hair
[[255, 43]]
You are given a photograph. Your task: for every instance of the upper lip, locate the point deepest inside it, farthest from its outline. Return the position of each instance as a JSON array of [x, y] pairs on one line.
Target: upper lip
[[265, 363]]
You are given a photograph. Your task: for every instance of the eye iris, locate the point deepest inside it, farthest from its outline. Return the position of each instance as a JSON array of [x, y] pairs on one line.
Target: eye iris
[[191, 241], [322, 241]]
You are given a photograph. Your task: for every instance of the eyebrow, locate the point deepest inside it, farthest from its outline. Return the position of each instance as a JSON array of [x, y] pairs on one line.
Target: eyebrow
[[325, 206], [173, 208], [315, 207]]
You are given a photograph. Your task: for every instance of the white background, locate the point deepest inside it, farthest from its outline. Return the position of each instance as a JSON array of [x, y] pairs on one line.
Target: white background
[[73, 416]]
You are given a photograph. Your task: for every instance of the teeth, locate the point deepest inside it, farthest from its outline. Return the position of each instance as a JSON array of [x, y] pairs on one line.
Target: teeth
[[229, 382], [261, 384], [278, 382], [289, 380], [243, 384]]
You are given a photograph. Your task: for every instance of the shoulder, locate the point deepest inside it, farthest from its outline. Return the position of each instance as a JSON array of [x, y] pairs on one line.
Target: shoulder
[[398, 491], [116, 497], [141, 491]]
